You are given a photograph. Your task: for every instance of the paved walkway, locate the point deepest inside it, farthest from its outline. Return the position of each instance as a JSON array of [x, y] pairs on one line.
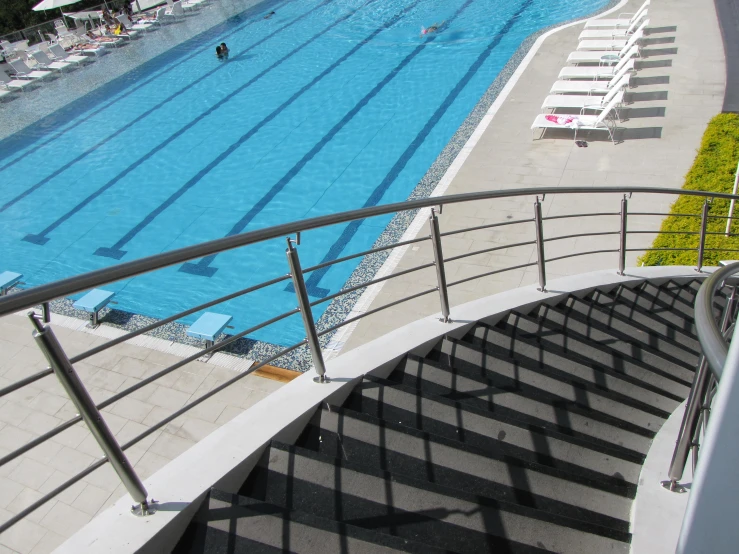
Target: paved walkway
[[38, 408], [680, 86]]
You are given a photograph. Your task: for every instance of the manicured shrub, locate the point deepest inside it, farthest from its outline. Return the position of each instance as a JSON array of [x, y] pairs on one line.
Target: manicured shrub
[[713, 170]]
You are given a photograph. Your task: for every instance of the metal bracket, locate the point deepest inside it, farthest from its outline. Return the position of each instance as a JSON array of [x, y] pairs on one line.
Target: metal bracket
[[295, 241], [144, 509], [673, 486]]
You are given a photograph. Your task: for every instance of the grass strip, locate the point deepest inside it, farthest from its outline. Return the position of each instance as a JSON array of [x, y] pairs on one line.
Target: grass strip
[[713, 170]]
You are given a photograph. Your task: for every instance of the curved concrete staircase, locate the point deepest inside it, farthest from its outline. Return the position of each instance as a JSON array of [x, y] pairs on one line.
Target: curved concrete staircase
[[523, 436]]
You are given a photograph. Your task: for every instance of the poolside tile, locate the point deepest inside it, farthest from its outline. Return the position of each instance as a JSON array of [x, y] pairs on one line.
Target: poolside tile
[[23, 536], [63, 519]]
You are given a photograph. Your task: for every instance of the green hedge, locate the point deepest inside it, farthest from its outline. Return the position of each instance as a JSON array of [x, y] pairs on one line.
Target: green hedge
[[713, 170]]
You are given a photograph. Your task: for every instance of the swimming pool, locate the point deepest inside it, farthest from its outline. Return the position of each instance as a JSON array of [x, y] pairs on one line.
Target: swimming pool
[[328, 105]]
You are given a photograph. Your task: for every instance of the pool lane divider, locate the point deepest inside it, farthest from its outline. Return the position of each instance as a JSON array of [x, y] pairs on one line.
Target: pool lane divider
[[145, 114], [203, 266], [312, 284], [150, 66], [42, 238], [116, 250]]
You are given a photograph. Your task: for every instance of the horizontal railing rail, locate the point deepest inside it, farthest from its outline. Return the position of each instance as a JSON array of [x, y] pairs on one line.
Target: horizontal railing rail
[[537, 238], [92, 279]]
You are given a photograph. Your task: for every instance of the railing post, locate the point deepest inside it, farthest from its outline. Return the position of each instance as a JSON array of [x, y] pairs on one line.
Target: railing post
[[301, 292], [688, 428], [702, 243], [439, 261], [697, 410], [77, 392], [622, 242], [541, 262]]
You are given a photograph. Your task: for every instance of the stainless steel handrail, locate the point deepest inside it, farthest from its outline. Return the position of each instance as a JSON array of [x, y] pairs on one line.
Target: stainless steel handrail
[[43, 294], [714, 347], [714, 343], [66, 287]]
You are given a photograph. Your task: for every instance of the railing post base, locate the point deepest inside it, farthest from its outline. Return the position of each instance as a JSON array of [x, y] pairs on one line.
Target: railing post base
[[673, 486], [144, 508], [321, 379]]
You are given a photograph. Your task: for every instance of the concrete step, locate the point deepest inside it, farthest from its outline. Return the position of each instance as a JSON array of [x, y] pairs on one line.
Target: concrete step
[[550, 334], [398, 505], [447, 381], [647, 342], [342, 433], [614, 343], [559, 390], [670, 303], [233, 523], [506, 341], [623, 306], [407, 406]]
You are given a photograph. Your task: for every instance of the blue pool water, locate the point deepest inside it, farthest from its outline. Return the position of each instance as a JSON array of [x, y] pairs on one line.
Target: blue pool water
[[329, 105]]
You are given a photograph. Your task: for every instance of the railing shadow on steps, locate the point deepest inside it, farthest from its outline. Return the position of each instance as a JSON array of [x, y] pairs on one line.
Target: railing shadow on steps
[[62, 365]]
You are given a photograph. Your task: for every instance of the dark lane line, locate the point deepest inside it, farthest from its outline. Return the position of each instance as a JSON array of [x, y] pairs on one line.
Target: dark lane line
[[145, 114], [41, 237], [350, 230], [116, 252], [134, 88], [202, 267]]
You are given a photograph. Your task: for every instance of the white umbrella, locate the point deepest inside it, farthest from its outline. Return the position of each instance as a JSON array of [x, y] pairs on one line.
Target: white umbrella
[[51, 4]]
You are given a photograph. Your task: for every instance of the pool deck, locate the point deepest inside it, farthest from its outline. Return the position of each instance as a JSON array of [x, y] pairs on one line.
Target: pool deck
[[681, 86]]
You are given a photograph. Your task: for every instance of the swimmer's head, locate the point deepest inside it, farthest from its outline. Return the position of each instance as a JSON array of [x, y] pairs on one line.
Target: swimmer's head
[[424, 31]]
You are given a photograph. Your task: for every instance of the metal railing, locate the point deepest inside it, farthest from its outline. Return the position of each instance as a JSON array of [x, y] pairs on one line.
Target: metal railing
[[714, 341], [63, 366]]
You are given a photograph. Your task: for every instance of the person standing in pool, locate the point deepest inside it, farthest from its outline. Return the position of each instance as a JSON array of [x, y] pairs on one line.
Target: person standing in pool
[[224, 50]]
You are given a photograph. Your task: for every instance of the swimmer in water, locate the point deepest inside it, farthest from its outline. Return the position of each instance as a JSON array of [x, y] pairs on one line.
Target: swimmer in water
[[270, 14], [432, 29], [224, 49]]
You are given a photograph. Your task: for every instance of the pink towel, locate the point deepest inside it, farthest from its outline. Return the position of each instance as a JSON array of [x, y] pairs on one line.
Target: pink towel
[[560, 119]]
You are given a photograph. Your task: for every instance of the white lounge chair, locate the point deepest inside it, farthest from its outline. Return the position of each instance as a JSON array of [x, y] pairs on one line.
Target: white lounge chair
[[45, 63], [590, 87], [175, 10], [620, 21], [194, 4], [585, 102], [631, 49], [597, 72], [581, 122], [60, 54], [13, 84], [611, 44], [22, 71], [619, 32], [131, 26]]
